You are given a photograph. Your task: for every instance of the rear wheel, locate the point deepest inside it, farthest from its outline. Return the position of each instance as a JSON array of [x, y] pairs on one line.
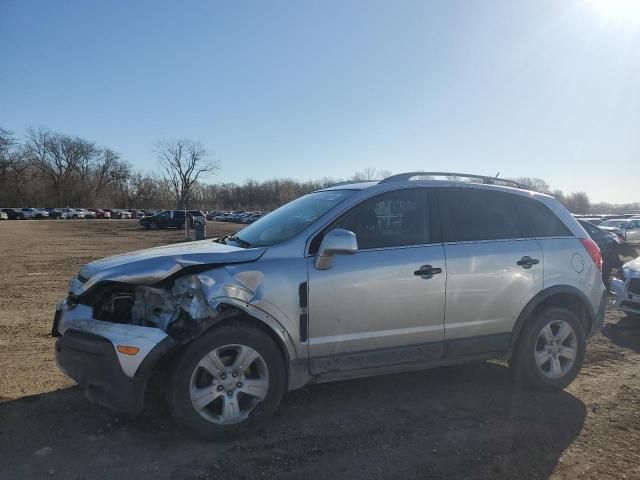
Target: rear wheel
[[550, 350], [226, 382]]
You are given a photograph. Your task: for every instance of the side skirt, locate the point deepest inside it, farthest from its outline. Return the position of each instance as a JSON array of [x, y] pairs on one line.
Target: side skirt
[[409, 358]]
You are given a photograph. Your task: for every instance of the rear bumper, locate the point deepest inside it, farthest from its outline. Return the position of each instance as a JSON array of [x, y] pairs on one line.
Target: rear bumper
[[598, 320]]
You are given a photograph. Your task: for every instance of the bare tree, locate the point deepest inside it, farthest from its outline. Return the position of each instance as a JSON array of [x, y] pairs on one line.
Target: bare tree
[[183, 162], [578, 203], [536, 184], [7, 145], [62, 159], [369, 173], [109, 169]]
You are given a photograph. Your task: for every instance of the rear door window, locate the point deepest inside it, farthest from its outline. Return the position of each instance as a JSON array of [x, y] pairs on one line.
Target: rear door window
[[474, 215]]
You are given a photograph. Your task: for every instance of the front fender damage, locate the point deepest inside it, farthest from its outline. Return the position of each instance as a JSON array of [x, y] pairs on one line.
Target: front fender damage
[[191, 303]]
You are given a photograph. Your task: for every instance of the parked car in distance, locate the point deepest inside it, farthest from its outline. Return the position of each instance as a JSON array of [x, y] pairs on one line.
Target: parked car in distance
[[592, 220], [89, 214], [222, 217], [212, 214], [35, 213], [627, 229], [100, 213], [169, 219], [251, 218], [353, 280], [72, 213], [56, 213], [14, 213], [118, 213], [3, 215], [609, 245], [626, 289]]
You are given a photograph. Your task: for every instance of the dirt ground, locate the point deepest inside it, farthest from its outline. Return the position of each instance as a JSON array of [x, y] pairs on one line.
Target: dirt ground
[[456, 422]]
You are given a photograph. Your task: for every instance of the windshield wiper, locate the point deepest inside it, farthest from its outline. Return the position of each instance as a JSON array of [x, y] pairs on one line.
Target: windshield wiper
[[237, 239]]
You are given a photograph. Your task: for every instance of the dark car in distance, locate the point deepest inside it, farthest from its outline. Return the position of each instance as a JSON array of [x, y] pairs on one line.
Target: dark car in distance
[[170, 219], [13, 213], [609, 247]]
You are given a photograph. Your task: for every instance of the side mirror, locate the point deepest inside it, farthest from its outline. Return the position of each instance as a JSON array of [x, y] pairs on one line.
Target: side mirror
[[336, 242]]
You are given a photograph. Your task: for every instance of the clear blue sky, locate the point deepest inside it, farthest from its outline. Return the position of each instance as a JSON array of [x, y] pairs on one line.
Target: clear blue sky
[[308, 89]]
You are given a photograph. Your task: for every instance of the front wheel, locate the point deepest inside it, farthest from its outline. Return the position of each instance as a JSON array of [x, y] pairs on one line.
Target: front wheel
[[226, 382], [550, 350]]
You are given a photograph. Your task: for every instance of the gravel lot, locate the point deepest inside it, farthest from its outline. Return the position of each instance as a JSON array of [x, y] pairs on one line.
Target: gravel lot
[[456, 422]]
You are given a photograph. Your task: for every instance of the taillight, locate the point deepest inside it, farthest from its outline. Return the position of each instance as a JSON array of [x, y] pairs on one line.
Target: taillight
[[594, 251]]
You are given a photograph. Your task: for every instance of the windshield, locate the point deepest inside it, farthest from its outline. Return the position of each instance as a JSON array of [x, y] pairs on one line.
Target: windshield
[[613, 223], [290, 219]]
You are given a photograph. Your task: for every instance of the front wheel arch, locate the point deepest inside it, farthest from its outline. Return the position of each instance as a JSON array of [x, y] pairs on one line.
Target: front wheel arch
[[241, 316]]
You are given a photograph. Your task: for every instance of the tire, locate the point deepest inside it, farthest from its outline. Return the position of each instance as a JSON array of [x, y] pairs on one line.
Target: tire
[[217, 418], [153, 226], [528, 364]]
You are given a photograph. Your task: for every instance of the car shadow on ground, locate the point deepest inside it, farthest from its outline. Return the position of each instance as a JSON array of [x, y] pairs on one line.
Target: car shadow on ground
[[456, 422], [624, 333]]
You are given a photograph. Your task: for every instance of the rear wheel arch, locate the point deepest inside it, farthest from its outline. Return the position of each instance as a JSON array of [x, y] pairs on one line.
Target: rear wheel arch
[[564, 296]]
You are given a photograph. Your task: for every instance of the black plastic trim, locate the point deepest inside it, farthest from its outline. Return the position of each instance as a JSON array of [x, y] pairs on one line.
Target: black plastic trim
[[303, 298], [91, 361], [595, 318]]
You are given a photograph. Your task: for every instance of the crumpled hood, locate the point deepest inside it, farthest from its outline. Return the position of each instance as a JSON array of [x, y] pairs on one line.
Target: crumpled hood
[[145, 267]]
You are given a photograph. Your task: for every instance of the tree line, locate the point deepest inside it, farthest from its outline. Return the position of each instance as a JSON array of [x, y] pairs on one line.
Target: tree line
[[51, 169]]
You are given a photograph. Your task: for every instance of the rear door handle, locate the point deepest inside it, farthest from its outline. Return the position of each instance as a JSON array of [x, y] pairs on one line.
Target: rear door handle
[[528, 262], [427, 271]]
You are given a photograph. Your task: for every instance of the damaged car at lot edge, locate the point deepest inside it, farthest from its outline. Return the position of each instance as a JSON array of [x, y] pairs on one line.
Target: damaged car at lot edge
[[625, 288], [345, 282]]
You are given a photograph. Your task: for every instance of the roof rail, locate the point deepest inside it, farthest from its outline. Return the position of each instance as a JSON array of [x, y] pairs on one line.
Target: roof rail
[[349, 182], [484, 179]]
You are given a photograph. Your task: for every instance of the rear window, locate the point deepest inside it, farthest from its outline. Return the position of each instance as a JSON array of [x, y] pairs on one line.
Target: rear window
[[539, 219], [473, 215]]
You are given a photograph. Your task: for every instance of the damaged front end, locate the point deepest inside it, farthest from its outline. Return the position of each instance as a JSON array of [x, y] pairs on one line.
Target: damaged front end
[[625, 288], [123, 314], [180, 310]]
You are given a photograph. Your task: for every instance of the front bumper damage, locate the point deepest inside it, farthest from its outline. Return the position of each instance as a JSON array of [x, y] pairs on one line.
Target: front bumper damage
[[623, 297], [86, 350], [625, 289]]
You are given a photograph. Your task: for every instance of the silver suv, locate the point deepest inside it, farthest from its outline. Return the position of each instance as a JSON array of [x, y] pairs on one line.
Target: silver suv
[[358, 279]]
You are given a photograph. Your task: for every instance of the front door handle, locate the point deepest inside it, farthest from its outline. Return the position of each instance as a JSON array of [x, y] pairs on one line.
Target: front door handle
[[528, 262], [427, 271]]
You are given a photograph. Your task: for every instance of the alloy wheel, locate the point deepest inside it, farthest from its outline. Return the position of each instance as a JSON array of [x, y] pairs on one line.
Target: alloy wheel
[[556, 349], [228, 383]]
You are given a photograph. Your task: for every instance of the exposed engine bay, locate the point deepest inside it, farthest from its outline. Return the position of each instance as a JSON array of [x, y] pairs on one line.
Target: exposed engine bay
[[179, 310]]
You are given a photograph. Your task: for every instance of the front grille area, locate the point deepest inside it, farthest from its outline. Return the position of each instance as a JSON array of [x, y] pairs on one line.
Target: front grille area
[[634, 286], [82, 279]]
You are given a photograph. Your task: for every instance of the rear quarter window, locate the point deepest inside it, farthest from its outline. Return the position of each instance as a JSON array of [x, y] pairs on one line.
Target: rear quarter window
[[539, 220]]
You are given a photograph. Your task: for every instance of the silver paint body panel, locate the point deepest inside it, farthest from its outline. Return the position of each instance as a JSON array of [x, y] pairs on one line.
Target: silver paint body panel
[[369, 301]]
